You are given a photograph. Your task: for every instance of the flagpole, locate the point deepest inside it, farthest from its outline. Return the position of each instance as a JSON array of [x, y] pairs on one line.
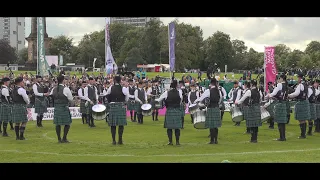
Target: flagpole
[[37, 73], [169, 53], [105, 47], [264, 70]]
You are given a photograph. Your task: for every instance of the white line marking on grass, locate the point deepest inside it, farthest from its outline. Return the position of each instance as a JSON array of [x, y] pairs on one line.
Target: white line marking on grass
[[161, 155]]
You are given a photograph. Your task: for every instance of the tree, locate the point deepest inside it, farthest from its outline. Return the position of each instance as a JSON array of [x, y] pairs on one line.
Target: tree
[[7, 53], [293, 58], [22, 56], [240, 50], [62, 45], [312, 47], [133, 58], [306, 62]]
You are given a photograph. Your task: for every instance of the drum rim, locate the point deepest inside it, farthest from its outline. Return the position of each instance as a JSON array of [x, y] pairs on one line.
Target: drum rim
[[149, 105], [98, 105]]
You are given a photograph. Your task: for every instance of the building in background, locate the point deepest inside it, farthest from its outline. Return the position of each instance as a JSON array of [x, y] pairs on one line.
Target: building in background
[[136, 21], [13, 30]]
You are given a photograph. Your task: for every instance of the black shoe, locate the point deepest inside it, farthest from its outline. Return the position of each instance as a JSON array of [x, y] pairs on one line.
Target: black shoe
[[120, 143], [170, 143], [17, 138], [301, 137], [216, 142], [309, 133], [5, 135], [157, 119], [271, 127], [254, 141], [177, 143], [59, 141], [22, 138], [114, 142], [279, 139], [211, 142], [65, 141], [246, 133]]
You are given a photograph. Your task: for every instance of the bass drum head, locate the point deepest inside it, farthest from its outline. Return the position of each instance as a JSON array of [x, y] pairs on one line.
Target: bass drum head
[[98, 108], [146, 107]]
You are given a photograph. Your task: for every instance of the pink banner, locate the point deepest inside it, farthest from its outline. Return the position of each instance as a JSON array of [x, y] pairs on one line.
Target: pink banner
[[270, 65], [162, 112]]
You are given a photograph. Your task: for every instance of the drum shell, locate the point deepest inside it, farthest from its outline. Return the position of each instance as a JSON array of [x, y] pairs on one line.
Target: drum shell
[[199, 119], [237, 115], [194, 108], [99, 115], [146, 112], [158, 104], [265, 115]]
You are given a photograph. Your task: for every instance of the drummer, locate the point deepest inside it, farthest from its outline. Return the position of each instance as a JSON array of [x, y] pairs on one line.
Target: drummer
[[270, 105], [236, 95], [313, 92], [224, 95], [140, 97], [105, 97], [192, 96], [83, 109], [183, 91], [131, 104], [154, 92]]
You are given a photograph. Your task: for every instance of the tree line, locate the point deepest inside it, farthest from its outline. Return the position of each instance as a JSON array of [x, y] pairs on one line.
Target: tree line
[[149, 45]]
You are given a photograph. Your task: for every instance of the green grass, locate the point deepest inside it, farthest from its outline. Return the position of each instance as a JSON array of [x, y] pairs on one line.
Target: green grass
[[147, 143]]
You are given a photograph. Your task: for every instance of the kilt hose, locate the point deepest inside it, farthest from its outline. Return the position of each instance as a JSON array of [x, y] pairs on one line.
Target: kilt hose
[[173, 119], [270, 109], [313, 111], [117, 114], [6, 112], [61, 115], [40, 105], [213, 118], [317, 110], [83, 109], [302, 110], [131, 105], [280, 112], [20, 114], [252, 115]]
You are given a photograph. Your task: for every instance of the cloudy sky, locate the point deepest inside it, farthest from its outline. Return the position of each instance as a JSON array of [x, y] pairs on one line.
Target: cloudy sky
[[256, 32]]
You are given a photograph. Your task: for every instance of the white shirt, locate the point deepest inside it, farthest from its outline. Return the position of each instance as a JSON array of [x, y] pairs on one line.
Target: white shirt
[[197, 94], [206, 94], [165, 96], [5, 92], [131, 96], [224, 92], [310, 92], [149, 91], [66, 92], [296, 93], [124, 91], [22, 92], [246, 95], [136, 98], [230, 93], [81, 96], [238, 94], [86, 96], [35, 90]]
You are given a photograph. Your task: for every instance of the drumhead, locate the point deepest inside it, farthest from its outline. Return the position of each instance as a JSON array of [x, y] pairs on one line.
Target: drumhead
[[98, 108], [146, 106]]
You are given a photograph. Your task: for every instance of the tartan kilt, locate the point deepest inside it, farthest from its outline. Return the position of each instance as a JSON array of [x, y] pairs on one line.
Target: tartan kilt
[[302, 110], [313, 114], [41, 105], [270, 109], [89, 107], [213, 118], [252, 115], [317, 110], [280, 112], [288, 107], [138, 107], [6, 112], [61, 115], [107, 107], [153, 103], [20, 114], [131, 106], [173, 119], [83, 109], [117, 114], [183, 110]]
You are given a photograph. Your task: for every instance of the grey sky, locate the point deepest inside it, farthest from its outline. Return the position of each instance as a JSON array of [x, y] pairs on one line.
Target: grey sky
[[256, 32]]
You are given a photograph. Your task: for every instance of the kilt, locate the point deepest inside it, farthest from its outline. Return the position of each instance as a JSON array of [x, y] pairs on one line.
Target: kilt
[[20, 114], [172, 119], [270, 109], [117, 114], [280, 112], [40, 105], [61, 115], [213, 118], [183, 110], [83, 109], [89, 107], [107, 107], [252, 115], [6, 113], [317, 110], [302, 110], [153, 103], [132, 106], [138, 107], [288, 107], [313, 114]]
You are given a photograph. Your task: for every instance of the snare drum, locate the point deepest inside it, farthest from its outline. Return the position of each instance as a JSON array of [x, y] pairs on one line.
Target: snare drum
[[237, 115], [158, 104], [199, 119], [193, 108], [227, 106], [265, 115]]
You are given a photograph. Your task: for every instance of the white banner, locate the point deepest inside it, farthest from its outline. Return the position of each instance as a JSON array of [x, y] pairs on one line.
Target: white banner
[[74, 111]]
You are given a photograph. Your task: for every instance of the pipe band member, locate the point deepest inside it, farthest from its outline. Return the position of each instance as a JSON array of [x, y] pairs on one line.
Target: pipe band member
[[213, 114], [132, 105], [118, 95], [173, 99], [313, 92], [302, 108], [140, 97], [91, 96], [83, 109], [192, 96], [20, 101], [236, 94], [6, 105], [40, 106], [62, 117], [317, 121]]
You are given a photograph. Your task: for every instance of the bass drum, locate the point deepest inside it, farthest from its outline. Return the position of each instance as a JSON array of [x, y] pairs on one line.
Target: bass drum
[[146, 109], [99, 112], [199, 119]]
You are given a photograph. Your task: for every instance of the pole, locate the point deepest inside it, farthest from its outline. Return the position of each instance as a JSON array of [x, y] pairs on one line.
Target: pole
[[17, 31], [169, 54], [37, 47], [264, 71]]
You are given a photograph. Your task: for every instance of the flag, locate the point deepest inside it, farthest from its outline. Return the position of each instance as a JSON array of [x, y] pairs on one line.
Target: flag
[[172, 41], [42, 65], [111, 66], [270, 68]]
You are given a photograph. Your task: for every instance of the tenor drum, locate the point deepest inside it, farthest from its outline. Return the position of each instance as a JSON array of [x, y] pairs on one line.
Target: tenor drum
[[99, 112], [237, 115], [146, 109], [227, 106], [193, 108], [265, 115], [199, 119]]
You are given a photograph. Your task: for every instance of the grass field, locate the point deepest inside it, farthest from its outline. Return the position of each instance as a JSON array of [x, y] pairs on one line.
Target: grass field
[[147, 143]]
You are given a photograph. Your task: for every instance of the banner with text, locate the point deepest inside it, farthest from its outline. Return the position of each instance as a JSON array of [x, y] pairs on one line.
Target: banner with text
[[270, 66], [172, 42], [74, 111], [42, 64]]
